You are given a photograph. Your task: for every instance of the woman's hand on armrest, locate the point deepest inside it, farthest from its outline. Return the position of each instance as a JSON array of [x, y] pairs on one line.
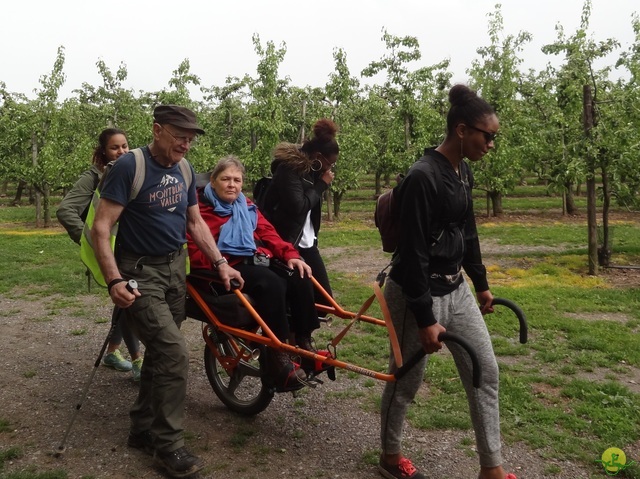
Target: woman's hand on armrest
[[303, 268]]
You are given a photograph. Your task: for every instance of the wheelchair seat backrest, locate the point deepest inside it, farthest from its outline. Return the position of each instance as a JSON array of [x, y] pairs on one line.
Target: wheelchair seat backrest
[[224, 305]]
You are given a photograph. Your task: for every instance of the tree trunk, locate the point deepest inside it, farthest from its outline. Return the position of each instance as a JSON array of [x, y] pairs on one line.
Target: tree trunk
[[592, 231], [592, 236], [19, 190], [4, 188], [378, 185], [46, 205], [337, 201], [496, 202], [605, 249], [407, 133], [34, 161], [329, 197], [572, 209], [488, 198]]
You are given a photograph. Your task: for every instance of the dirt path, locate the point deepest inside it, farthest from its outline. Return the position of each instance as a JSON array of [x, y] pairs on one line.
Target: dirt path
[[328, 432]]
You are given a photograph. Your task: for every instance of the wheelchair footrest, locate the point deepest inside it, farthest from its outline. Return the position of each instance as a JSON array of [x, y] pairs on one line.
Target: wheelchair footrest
[[313, 368]]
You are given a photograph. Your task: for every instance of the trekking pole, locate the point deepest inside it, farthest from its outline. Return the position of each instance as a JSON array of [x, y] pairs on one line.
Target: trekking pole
[[115, 317]]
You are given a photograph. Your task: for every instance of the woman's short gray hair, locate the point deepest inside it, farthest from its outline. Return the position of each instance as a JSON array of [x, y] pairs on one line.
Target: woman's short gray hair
[[226, 162]]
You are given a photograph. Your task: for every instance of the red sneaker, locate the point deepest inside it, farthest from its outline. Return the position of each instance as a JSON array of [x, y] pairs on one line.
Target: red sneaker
[[403, 470]]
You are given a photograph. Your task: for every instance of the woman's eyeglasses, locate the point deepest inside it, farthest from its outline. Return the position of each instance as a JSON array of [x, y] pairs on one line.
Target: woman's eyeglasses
[[488, 137]]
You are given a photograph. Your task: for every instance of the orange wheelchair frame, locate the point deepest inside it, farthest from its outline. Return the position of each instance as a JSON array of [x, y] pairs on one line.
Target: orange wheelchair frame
[[235, 350]]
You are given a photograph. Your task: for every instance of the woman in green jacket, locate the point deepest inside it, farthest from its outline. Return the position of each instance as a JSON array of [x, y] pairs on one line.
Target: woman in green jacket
[[112, 143]]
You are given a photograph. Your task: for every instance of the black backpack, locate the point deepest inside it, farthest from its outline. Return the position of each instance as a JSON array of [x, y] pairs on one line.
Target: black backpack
[[386, 219], [387, 216], [260, 190]]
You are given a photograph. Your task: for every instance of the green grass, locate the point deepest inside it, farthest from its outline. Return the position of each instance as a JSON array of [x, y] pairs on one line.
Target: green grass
[[349, 232], [39, 262], [558, 234], [514, 204], [566, 391], [21, 215]]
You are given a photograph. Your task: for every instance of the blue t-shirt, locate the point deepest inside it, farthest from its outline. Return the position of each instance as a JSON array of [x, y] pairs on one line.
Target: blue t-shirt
[[155, 222]]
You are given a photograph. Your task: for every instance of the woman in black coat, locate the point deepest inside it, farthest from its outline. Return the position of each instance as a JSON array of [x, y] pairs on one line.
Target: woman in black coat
[[293, 202]]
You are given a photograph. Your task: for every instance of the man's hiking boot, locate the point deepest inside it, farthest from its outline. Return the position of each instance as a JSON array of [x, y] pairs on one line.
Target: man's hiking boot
[[116, 361], [403, 470], [179, 463], [142, 441]]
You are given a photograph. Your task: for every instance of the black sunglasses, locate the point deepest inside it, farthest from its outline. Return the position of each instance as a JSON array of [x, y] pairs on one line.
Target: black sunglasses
[[488, 137]]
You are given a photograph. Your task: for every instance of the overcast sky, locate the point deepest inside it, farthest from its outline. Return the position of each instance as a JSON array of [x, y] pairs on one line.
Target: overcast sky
[[152, 37]]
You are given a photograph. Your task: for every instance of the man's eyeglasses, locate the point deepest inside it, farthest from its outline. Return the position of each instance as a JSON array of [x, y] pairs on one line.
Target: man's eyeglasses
[[488, 137], [181, 140]]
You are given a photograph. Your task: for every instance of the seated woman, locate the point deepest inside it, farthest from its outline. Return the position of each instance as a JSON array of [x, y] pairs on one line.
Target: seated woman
[[247, 239]]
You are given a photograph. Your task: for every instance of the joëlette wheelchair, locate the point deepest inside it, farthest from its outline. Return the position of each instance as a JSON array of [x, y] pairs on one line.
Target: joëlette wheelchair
[[238, 341]]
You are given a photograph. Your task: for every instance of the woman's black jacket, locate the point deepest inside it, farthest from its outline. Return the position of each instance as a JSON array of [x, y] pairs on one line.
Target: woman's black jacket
[[290, 197], [438, 234]]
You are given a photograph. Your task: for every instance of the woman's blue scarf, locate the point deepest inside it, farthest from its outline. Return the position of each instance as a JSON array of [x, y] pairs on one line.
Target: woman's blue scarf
[[236, 235]]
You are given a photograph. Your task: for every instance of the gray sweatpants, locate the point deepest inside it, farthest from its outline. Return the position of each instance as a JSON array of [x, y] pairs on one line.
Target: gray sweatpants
[[458, 313]]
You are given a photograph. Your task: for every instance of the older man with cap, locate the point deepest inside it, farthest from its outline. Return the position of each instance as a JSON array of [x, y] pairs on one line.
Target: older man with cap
[[150, 250]]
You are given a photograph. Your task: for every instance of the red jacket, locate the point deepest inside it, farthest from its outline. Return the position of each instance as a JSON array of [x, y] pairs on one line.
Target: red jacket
[[267, 239]]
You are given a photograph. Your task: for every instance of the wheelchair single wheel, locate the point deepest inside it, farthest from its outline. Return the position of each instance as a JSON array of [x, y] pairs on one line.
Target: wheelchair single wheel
[[235, 376]]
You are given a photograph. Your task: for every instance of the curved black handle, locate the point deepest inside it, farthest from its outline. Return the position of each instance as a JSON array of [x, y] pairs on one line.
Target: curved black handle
[[445, 337], [518, 312], [235, 284]]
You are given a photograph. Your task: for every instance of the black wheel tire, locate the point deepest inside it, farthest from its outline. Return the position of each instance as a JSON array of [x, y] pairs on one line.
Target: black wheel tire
[[243, 391]]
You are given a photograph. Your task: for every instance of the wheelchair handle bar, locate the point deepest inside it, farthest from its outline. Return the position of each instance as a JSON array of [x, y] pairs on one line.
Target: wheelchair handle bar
[[522, 319], [445, 337]]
